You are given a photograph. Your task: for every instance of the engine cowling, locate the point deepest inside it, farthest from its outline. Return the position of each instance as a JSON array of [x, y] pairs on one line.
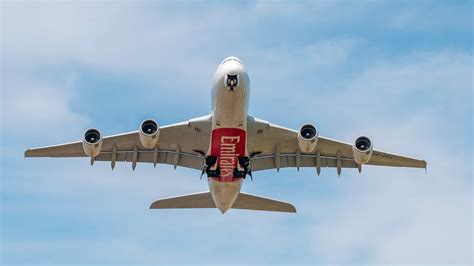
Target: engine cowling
[[307, 138], [92, 142], [362, 150], [149, 133]]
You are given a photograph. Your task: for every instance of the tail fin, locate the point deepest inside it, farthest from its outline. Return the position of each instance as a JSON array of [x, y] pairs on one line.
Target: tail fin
[[204, 200]]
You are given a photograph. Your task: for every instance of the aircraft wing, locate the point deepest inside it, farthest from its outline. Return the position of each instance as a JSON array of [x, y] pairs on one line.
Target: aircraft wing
[[275, 147], [178, 145]]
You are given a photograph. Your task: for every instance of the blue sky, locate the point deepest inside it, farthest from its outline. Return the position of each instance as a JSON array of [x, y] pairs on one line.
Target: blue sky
[[400, 72]]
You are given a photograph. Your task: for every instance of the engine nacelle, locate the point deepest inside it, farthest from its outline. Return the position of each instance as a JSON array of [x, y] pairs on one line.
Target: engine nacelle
[[307, 138], [362, 150], [149, 133], [92, 142]]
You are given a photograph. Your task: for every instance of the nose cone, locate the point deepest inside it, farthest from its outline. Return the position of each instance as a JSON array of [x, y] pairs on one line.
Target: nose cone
[[224, 193], [231, 58], [233, 74], [233, 65]]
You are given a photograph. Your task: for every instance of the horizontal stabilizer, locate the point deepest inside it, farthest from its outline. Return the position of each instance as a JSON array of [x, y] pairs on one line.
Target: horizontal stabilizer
[[204, 200], [198, 200], [251, 202]]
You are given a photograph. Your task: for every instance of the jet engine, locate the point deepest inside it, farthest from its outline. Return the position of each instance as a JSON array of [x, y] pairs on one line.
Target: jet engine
[[149, 133], [92, 142], [362, 150], [307, 138]]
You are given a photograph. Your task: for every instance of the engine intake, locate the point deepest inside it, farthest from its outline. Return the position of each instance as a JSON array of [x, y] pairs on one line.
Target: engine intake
[[362, 150], [307, 138], [92, 142], [149, 133]]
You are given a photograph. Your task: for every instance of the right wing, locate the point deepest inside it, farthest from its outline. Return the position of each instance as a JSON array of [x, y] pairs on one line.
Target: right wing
[[179, 144]]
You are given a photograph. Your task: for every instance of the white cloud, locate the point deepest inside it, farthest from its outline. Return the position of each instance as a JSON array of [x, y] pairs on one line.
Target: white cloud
[[105, 36], [452, 17], [38, 108], [383, 217], [329, 52], [404, 216], [392, 90]]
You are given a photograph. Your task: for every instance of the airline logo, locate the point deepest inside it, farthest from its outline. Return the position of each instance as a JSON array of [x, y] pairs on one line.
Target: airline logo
[[227, 144]]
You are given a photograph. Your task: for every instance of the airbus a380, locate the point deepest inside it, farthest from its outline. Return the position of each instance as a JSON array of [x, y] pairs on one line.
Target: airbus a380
[[227, 145]]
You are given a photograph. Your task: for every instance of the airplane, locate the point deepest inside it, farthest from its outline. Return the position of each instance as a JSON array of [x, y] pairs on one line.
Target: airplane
[[227, 146]]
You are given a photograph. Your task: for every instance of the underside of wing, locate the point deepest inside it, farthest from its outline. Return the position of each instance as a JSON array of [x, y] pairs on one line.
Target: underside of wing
[[275, 147], [297, 160], [388, 159], [181, 144]]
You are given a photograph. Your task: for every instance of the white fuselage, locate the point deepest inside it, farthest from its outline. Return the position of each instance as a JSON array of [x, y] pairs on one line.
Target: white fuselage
[[230, 94]]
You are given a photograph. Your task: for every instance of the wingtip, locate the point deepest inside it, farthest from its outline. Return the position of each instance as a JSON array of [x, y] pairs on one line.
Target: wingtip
[[27, 153], [292, 208]]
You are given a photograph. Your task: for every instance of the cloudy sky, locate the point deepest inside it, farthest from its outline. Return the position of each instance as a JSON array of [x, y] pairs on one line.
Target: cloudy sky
[[400, 72]]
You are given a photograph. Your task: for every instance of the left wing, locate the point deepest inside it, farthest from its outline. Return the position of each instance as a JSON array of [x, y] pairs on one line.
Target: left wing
[[274, 146], [179, 144]]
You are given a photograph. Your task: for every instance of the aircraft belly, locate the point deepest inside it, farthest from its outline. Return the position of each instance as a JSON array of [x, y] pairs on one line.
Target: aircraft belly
[[228, 136], [227, 144], [224, 194], [230, 109]]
